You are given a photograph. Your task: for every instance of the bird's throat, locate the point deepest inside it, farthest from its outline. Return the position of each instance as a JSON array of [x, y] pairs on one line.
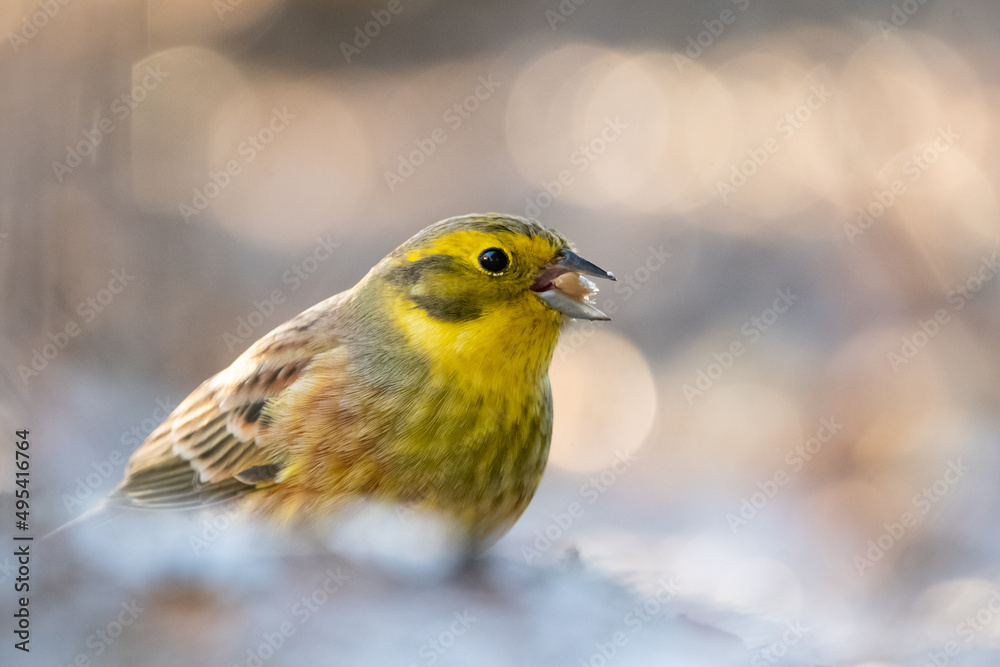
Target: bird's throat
[[502, 350]]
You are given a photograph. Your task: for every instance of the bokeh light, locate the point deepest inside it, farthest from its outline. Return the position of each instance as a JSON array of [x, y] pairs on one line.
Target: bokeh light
[[826, 457], [605, 399]]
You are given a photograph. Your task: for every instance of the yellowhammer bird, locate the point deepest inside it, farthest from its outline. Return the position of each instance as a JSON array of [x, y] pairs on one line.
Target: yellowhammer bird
[[424, 384]]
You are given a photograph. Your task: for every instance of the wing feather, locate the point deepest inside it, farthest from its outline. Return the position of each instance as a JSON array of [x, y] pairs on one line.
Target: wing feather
[[210, 449]]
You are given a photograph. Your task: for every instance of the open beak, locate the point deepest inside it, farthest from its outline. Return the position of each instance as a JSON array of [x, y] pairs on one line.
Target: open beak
[[563, 286]]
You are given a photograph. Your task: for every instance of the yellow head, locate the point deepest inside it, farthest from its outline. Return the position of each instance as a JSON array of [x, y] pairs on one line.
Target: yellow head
[[487, 286]]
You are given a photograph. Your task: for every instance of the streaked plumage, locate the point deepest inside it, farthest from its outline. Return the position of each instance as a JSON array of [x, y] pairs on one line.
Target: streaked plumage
[[426, 384]]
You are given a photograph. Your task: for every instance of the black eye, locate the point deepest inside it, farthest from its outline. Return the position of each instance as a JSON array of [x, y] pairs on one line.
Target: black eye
[[494, 260]]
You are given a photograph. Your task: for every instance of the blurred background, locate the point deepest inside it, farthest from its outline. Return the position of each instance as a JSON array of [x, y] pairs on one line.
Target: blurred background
[[783, 448]]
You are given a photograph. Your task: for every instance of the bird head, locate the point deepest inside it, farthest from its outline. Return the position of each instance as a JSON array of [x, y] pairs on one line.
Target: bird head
[[466, 268]]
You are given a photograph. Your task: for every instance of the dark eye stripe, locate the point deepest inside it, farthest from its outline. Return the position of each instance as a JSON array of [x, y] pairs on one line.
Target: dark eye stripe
[[448, 310], [408, 274]]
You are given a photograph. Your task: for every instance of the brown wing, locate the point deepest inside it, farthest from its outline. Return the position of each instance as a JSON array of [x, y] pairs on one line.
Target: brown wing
[[209, 449]]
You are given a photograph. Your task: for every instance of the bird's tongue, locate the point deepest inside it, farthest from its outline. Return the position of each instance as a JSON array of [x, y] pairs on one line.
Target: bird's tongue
[[547, 278]]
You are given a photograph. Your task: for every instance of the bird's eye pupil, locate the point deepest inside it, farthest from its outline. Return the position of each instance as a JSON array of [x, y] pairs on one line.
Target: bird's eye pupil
[[494, 260]]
